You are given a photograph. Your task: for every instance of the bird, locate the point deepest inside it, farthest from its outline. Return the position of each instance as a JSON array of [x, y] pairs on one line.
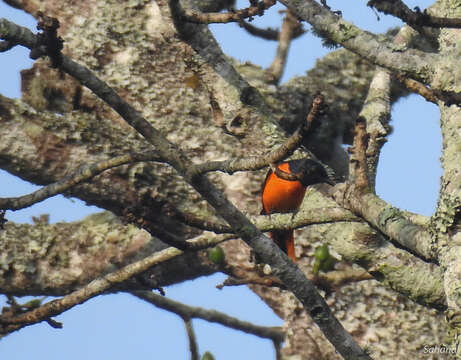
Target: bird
[[285, 196]]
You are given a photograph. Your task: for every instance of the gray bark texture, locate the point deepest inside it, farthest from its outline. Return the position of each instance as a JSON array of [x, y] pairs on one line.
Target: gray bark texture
[[216, 108]]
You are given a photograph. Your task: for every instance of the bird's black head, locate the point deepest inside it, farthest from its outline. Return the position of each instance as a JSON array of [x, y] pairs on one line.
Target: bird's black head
[[312, 171]]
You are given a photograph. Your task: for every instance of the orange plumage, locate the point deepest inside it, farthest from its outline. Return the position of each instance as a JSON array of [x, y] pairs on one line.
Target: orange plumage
[[284, 196]]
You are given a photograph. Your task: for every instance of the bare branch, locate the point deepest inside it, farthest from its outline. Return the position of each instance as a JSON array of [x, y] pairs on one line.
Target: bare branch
[[145, 221], [214, 316], [302, 218], [193, 347], [197, 17], [431, 95], [278, 154], [84, 173], [415, 18], [338, 278], [269, 33], [278, 349], [419, 88], [10, 324], [275, 70]]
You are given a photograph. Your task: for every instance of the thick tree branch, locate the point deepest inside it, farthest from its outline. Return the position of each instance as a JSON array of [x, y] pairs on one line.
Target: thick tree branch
[[214, 316], [410, 62], [388, 219], [398, 269]]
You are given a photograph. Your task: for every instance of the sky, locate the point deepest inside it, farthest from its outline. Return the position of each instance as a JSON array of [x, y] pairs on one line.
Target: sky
[[120, 326]]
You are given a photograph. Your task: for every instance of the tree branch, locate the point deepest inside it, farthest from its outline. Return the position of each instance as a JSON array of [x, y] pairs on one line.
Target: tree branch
[[358, 159], [6, 45], [269, 33], [410, 62], [275, 156], [198, 17], [83, 174], [376, 112], [418, 88], [415, 18], [275, 70], [193, 347], [214, 316], [387, 219], [94, 288]]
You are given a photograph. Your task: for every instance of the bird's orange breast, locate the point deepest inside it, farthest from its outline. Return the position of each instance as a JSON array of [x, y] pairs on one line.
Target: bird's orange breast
[[281, 196]]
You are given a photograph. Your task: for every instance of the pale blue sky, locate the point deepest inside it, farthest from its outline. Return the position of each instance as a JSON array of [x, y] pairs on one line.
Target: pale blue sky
[[119, 326]]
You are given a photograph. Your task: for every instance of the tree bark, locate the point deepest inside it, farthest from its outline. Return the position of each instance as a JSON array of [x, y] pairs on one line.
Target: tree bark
[[217, 108]]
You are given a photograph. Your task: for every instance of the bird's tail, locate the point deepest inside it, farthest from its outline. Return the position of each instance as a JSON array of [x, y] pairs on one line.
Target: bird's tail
[[285, 240]]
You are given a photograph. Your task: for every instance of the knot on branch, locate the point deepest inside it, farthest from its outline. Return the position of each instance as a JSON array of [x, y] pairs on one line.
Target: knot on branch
[[48, 42]]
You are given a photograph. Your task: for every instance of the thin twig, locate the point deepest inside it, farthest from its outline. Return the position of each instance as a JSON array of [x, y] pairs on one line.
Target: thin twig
[[286, 175], [434, 96], [213, 316], [269, 33], [193, 347], [417, 87], [275, 156], [338, 278], [85, 172], [254, 279], [198, 17]]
